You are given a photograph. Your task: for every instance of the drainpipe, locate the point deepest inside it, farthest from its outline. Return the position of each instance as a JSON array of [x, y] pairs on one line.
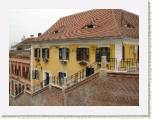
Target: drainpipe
[[122, 49], [122, 52]]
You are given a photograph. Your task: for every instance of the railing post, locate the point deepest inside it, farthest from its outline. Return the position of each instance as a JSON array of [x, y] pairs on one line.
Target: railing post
[[65, 83], [117, 64], [103, 62], [32, 89], [14, 88], [50, 81]]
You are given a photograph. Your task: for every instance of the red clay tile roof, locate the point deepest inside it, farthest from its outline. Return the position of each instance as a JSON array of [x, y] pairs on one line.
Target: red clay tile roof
[[106, 23], [25, 42]]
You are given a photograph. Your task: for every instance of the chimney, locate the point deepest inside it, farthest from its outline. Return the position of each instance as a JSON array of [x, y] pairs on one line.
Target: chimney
[[39, 34], [23, 38], [32, 36]]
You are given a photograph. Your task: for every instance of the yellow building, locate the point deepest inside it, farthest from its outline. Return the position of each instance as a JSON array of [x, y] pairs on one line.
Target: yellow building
[[79, 40]]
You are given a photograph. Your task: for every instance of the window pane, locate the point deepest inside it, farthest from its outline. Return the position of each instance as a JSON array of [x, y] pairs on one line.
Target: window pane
[[105, 51], [67, 53], [82, 54], [64, 53], [43, 52], [38, 52], [98, 55], [79, 54], [35, 52]]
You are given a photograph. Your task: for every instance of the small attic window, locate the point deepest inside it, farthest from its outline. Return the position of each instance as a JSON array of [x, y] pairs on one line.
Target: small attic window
[[56, 31], [59, 30], [89, 26], [130, 26]]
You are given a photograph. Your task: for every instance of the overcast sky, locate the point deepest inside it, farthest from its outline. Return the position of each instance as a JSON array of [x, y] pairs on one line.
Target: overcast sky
[[28, 22]]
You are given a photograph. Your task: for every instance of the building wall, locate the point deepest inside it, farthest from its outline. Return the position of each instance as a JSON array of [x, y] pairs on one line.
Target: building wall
[[131, 51], [17, 75], [54, 65]]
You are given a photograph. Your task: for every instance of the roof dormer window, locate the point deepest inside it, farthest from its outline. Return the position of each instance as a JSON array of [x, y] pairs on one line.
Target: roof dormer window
[[130, 26], [59, 30], [89, 26], [56, 31]]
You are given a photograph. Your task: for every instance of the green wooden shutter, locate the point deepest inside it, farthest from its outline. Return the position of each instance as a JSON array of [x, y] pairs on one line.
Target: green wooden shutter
[[123, 52], [35, 52], [33, 74], [138, 53], [108, 54], [48, 54], [87, 54], [67, 53], [78, 54], [60, 53], [98, 55]]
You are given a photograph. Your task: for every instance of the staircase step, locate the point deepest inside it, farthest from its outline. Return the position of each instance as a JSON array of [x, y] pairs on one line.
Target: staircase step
[[39, 91]]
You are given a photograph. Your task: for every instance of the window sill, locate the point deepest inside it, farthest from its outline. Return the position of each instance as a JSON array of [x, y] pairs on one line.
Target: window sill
[[63, 61], [37, 59], [98, 63], [45, 60], [83, 62], [101, 62]]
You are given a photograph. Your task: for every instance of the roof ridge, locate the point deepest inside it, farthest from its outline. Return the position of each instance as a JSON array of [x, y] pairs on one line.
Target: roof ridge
[[77, 13]]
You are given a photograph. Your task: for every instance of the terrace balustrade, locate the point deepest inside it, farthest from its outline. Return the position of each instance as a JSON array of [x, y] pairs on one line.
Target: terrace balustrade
[[125, 65]]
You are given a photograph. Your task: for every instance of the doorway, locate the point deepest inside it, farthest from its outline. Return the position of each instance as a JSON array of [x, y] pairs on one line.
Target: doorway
[[46, 78], [62, 77]]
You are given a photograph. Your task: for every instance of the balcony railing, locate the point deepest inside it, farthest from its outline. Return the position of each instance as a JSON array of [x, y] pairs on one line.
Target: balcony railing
[[129, 65], [82, 74], [43, 84], [76, 77], [56, 81], [125, 65], [112, 64]]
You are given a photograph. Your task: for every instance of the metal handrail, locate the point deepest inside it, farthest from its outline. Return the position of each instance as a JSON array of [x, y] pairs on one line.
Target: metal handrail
[[131, 65], [82, 74], [40, 86]]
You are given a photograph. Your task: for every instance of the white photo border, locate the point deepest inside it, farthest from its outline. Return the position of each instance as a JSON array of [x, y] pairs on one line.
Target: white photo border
[[142, 109]]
